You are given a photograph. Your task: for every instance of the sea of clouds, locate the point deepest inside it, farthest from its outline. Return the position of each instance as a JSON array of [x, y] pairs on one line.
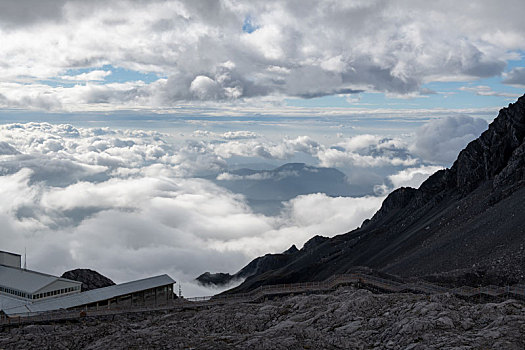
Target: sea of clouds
[[130, 203]]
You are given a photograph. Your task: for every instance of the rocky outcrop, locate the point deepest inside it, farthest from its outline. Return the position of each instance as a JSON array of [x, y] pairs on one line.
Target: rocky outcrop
[[215, 279], [293, 249], [345, 319], [90, 279], [313, 243], [257, 266], [484, 158], [514, 172], [398, 199]]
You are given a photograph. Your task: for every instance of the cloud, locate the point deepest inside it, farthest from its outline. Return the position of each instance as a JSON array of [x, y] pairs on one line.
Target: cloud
[[90, 76], [366, 151], [228, 135], [29, 12], [125, 202], [202, 53], [254, 177], [284, 149], [483, 90], [7, 149], [242, 134], [413, 177], [440, 140], [515, 77]]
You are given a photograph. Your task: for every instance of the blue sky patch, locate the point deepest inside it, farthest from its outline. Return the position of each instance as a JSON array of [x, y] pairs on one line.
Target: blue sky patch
[[248, 26]]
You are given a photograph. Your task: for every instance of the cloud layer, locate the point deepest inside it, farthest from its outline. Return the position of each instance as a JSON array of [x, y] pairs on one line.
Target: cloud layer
[[226, 51], [126, 203], [130, 203], [440, 140]]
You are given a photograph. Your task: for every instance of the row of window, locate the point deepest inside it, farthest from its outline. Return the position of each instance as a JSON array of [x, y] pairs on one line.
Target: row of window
[[39, 295], [56, 292], [13, 292]]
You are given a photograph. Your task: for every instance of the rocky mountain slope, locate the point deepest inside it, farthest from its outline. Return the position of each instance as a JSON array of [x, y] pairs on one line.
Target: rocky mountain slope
[[465, 223], [345, 319], [90, 279], [257, 266]]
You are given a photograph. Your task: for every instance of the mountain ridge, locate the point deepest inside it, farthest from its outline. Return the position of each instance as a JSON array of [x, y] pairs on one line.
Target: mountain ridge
[[452, 222]]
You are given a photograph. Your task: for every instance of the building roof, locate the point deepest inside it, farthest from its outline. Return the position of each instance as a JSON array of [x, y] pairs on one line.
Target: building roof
[[26, 280], [9, 253], [91, 296], [7, 302]]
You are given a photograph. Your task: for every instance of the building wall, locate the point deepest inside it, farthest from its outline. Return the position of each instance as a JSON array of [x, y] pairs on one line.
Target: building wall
[[10, 259], [159, 296]]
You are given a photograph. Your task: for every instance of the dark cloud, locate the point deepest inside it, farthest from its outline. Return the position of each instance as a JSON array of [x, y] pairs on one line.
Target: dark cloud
[[15, 13], [515, 77], [440, 140]]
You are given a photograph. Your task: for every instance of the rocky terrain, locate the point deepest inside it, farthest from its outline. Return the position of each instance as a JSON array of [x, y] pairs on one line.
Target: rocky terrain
[[90, 279], [345, 319], [463, 225]]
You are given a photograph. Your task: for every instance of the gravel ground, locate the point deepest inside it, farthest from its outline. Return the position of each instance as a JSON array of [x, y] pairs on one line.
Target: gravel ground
[[345, 319]]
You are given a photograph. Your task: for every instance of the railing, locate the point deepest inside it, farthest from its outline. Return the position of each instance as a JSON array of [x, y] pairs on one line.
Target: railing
[[362, 280]]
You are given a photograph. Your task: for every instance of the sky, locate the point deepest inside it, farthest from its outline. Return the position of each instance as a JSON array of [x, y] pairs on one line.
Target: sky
[[119, 119]]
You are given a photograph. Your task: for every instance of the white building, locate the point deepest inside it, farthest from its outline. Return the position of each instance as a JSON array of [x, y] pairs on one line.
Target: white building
[[28, 292], [31, 285]]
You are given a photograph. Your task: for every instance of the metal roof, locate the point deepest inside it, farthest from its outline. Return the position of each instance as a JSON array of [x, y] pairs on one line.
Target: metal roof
[[91, 296], [7, 302], [26, 280], [9, 253]]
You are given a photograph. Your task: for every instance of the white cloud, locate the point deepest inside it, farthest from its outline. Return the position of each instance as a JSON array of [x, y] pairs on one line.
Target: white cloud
[[228, 135], [440, 140], [241, 134], [89, 76], [484, 90], [202, 53], [124, 203], [366, 151], [284, 149], [413, 177]]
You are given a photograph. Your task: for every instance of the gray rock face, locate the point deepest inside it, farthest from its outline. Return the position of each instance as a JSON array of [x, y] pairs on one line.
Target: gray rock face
[[345, 319], [398, 199], [484, 158], [90, 279]]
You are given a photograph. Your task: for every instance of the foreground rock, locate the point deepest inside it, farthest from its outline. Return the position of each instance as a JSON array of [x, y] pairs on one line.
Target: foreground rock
[[90, 279], [345, 319]]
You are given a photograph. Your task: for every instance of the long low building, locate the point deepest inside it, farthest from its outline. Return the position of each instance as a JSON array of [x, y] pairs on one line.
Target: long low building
[[28, 292]]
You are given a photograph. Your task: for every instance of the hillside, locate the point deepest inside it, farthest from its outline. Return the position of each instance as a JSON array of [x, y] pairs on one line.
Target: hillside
[[464, 224]]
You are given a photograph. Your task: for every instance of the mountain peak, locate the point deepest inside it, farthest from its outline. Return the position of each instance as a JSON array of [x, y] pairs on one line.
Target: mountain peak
[[486, 157]]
